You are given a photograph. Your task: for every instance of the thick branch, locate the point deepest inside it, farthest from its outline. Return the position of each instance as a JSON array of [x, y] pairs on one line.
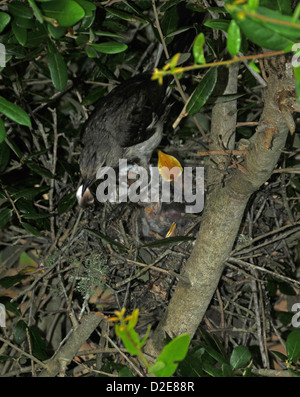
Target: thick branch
[[224, 211], [60, 361]]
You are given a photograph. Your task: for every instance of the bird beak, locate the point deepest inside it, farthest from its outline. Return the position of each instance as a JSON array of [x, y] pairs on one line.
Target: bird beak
[[86, 183], [84, 195]]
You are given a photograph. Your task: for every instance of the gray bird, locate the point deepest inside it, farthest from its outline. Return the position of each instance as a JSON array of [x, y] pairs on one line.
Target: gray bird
[[126, 124]]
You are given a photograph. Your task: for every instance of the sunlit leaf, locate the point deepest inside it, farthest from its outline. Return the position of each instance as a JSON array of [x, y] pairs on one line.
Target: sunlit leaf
[[65, 12], [175, 351], [234, 38], [198, 48], [169, 167], [293, 345], [4, 20]]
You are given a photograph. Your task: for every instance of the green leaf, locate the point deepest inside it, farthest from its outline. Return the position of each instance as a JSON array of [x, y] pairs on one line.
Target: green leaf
[[30, 229], [10, 306], [293, 346], [130, 339], [169, 22], [108, 34], [36, 216], [297, 76], [296, 14], [175, 351], [215, 355], [5, 216], [4, 20], [14, 112], [211, 370], [38, 345], [219, 346], [65, 12], [254, 67], [234, 38], [25, 23], [36, 11], [17, 8], [37, 37], [2, 131], [29, 193], [82, 39], [109, 240], [39, 170], [110, 47], [203, 91], [144, 340], [56, 31], [57, 67], [227, 371], [198, 48], [4, 156], [124, 15], [88, 7], [253, 4], [286, 288], [14, 147], [20, 33], [90, 51], [240, 357], [20, 332], [282, 356], [265, 34], [219, 24], [286, 29], [168, 241], [192, 364], [138, 11], [9, 281], [125, 372]]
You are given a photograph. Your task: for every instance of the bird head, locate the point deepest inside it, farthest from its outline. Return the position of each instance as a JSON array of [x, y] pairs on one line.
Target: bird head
[[84, 195]]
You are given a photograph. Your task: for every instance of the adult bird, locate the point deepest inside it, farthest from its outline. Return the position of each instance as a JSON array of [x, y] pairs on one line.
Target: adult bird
[[128, 122]]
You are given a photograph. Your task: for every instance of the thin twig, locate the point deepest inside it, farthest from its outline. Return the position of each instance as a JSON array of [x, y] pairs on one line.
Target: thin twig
[[30, 356], [262, 269]]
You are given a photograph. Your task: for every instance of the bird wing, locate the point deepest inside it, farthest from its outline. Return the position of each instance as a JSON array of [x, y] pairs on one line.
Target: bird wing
[[126, 112]]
